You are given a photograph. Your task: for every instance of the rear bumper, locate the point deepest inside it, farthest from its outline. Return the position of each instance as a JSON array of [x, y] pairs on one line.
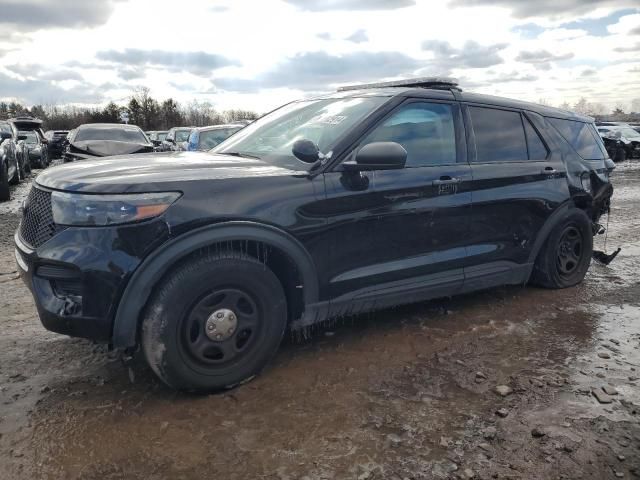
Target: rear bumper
[[78, 276]]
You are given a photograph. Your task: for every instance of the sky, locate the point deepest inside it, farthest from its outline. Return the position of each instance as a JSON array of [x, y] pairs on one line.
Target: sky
[[259, 54]]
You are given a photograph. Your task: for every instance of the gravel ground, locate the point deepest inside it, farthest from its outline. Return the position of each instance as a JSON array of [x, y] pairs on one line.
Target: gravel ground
[[498, 384]]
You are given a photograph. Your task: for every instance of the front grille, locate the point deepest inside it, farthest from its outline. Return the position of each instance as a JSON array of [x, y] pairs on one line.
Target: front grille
[[37, 221]]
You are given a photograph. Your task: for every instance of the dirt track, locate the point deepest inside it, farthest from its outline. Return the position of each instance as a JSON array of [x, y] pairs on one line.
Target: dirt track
[[403, 394]]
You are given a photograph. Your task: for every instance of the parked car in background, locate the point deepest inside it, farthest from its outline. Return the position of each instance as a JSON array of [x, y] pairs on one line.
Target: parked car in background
[[37, 151], [24, 125], [9, 168], [204, 261], [105, 139], [620, 140], [56, 142], [176, 139], [157, 137], [205, 138]]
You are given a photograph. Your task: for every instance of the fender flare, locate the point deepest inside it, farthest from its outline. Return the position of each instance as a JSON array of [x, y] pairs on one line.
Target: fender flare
[[554, 220], [156, 265]]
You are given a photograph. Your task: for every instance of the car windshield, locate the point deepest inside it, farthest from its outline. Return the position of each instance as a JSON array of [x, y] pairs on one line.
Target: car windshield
[[31, 138], [271, 137], [161, 136], [115, 133], [629, 132], [211, 138], [4, 127], [182, 135]]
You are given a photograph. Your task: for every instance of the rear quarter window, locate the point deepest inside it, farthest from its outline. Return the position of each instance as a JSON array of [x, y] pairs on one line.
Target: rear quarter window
[[581, 136]]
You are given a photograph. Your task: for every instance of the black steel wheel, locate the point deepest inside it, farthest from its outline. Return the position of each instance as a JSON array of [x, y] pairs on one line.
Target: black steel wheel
[[565, 256], [215, 321], [569, 251], [221, 327]]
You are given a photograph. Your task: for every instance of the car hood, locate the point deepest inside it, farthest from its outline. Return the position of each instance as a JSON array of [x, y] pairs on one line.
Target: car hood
[[153, 172], [107, 148]]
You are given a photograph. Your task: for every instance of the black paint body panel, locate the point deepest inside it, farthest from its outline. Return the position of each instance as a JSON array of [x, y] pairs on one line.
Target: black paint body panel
[[362, 240]]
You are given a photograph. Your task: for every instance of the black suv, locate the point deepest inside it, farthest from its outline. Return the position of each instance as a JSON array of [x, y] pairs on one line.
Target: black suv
[[345, 203]]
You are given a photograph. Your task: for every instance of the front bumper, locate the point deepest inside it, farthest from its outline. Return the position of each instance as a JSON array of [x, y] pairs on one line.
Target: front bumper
[[77, 277]]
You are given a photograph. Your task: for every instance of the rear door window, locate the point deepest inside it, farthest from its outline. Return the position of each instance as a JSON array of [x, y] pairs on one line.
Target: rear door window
[[499, 135], [581, 136]]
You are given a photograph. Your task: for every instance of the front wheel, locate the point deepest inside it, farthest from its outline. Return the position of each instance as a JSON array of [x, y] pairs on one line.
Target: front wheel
[[566, 255], [214, 322]]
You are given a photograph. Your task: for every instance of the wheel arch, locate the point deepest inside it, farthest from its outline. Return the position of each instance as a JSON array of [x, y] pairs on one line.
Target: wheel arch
[[159, 263], [554, 220]]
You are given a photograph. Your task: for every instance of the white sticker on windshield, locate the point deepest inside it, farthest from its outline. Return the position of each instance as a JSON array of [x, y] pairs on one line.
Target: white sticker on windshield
[[328, 119]]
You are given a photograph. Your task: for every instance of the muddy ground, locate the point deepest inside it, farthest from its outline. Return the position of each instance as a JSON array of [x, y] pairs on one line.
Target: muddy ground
[[403, 394]]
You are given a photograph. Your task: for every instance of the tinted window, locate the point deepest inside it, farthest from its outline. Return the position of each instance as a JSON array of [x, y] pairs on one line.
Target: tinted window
[[118, 134], [425, 130], [182, 135], [31, 138], [211, 138], [499, 135], [580, 136], [537, 150]]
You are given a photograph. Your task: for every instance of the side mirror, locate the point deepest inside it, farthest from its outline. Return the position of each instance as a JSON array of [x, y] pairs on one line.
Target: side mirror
[[306, 151], [378, 156], [5, 136]]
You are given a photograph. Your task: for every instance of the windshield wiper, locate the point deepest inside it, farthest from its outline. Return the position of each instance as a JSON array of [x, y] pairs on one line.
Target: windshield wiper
[[239, 154]]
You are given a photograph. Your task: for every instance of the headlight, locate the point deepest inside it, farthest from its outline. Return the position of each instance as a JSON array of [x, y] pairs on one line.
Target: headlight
[[585, 179], [98, 210]]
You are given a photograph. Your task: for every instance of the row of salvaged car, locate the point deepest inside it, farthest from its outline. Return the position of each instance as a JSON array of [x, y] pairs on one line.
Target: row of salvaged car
[[622, 140], [106, 139], [25, 146]]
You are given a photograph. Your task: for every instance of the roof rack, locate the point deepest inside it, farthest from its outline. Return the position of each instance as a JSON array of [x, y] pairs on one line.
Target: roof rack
[[439, 83]]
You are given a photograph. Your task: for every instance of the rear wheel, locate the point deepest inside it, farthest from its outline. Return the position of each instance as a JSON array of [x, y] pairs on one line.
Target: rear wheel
[[566, 254], [215, 322], [4, 182]]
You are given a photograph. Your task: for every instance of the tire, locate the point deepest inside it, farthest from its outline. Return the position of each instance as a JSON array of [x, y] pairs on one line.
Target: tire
[[5, 194], [621, 155], [16, 176], [201, 298], [565, 256]]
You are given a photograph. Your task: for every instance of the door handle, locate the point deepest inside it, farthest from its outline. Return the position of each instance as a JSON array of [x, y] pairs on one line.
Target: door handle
[[547, 170], [446, 180]]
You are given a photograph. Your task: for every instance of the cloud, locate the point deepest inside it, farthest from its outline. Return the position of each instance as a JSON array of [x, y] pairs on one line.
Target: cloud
[[471, 55], [328, 5], [43, 91], [632, 48], [318, 70], [545, 8], [198, 63], [513, 77], [131, 73], [359, 36], [44, 73], [324, 35], [635, 31], [31, 15], [589, 72], [541, 59]]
